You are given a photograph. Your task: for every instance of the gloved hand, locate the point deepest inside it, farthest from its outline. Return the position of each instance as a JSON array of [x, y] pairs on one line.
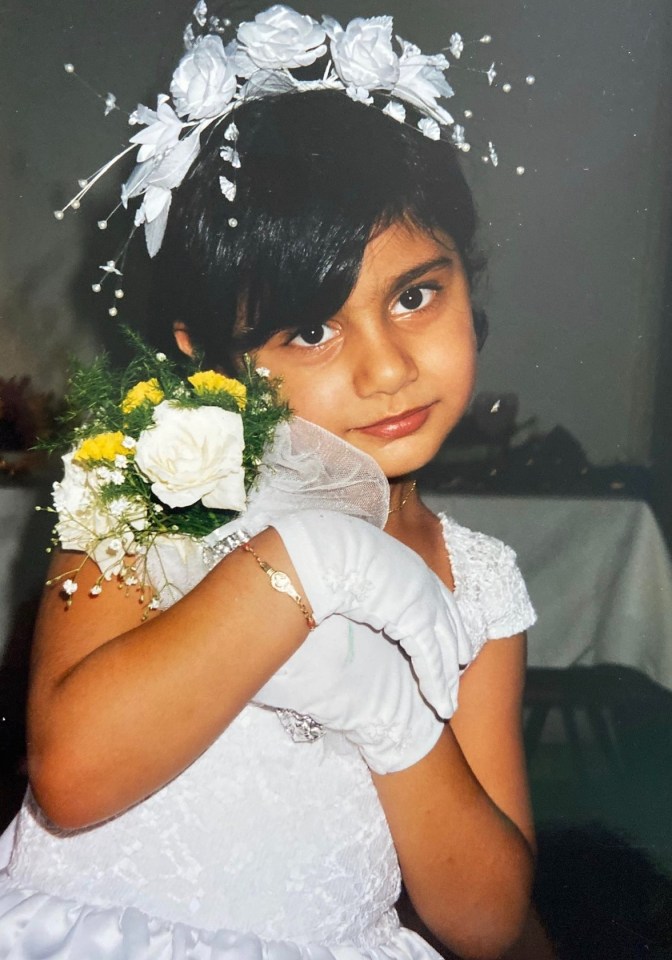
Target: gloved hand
[[319, 491], [349, 567], [348, 679]]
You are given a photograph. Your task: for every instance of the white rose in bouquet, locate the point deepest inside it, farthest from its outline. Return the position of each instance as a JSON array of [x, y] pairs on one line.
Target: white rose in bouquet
[[279, 38], [77, 500], [205, 80], [85, 523], [192, 454], [363, 54]]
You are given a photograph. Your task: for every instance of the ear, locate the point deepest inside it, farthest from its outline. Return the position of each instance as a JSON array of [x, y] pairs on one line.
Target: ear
[[182, 338]]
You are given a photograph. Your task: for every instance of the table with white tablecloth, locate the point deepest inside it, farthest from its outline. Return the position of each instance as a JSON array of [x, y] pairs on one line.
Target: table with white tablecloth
[[24, 538], [598, 572]]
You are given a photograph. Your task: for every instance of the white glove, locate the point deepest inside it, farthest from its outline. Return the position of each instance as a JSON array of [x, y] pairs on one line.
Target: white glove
[[348, 566], [361, 685]]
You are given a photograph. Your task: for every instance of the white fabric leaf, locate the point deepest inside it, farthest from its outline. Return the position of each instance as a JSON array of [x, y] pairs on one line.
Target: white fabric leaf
[[228, 188], [456, 45], [143, 114], [162, 131], [458, 135], [167, 172], [189, 37], [395, 110], [230, 155], [430, 128], [245, 66], [421, 81], [154, 233], [200, 13], [332, 27], [138, 181], [157, 199], [265, 83], [359, 94], [172, 169]]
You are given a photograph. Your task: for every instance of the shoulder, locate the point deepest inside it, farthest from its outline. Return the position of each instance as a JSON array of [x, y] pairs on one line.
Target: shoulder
[[489, 588]]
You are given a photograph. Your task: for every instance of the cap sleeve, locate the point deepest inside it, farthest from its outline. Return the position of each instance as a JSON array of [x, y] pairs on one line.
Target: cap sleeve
[[489, 588], [507, 606]]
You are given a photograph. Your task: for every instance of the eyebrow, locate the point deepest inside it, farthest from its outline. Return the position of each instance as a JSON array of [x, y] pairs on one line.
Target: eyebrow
[[422, 268]]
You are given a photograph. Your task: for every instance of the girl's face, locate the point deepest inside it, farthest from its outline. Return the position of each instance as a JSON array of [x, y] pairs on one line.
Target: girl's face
[[392, 372]]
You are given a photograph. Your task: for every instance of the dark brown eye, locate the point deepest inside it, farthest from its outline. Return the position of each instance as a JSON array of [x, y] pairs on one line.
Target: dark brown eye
[[411, 299], [313, 335]]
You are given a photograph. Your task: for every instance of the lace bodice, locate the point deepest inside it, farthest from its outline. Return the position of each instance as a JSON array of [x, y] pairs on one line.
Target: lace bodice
[[261, 834]]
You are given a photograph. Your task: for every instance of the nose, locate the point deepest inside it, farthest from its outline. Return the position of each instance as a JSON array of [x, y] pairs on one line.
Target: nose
[[383, 361]]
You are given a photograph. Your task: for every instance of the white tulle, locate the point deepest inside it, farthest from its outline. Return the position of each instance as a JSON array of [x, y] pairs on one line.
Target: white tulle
[[306, 468]]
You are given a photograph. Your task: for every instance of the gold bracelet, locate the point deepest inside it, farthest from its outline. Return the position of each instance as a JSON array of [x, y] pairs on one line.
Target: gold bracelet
[[281, 582]]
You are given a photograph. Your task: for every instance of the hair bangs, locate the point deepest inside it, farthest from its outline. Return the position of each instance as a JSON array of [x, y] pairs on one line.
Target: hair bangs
[[320, 175]]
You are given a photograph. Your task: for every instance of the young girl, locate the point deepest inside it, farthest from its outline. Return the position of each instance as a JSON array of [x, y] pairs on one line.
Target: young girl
[[171, 814]]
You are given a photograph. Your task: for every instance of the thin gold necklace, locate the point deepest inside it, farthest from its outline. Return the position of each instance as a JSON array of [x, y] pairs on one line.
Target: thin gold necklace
[[404, 501]]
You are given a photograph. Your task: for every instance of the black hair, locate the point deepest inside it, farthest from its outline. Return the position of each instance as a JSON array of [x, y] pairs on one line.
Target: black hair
[[320, 175]]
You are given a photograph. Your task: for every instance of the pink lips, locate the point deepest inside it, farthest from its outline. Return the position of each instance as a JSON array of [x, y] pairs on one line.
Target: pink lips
[[396, 427]]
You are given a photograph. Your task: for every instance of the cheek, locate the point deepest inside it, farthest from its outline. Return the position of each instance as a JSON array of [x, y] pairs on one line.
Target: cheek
[[469, 367], [316, 396], [452, 362]]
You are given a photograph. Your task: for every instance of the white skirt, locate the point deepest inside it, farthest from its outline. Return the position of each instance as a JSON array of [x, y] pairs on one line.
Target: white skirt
[[39, 926]]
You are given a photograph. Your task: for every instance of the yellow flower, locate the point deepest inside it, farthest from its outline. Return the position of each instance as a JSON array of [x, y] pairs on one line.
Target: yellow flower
[[208, 381], [146, 391], [104, 446]]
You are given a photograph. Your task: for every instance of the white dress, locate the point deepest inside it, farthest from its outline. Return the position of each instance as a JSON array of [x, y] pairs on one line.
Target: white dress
[[263, 849]]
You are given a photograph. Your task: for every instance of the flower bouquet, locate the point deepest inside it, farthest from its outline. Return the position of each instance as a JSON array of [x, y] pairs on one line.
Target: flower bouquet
[[162, 450]]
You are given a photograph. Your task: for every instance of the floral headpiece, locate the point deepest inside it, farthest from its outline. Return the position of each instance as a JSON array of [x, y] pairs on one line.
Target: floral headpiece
[[266, 57]]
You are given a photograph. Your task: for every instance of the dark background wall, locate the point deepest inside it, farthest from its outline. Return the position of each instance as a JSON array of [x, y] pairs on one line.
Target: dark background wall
[[579, 245]]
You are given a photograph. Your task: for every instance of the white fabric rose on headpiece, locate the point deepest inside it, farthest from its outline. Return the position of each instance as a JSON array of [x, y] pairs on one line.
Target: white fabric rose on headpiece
[[204, 82], [421, 81], [363, 54], [279, 38], [193, 454]]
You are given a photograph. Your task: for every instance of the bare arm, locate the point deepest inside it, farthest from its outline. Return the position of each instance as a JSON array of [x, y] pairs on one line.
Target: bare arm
[[466, 866], [118, 707], [465, 863], [488, 725]]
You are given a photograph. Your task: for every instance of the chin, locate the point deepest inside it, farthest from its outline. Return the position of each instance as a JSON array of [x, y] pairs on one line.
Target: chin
[[402, 457]]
